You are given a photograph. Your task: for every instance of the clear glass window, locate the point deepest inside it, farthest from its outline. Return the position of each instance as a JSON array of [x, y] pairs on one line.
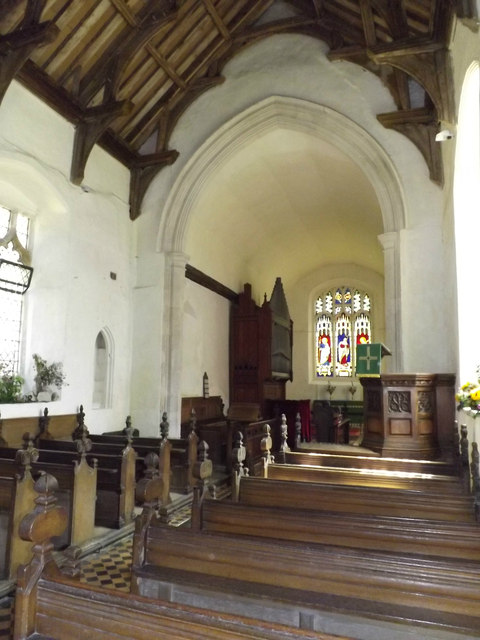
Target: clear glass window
[[14, 228]]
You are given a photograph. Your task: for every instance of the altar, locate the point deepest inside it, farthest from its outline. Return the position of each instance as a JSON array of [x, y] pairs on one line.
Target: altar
[[407, 416]]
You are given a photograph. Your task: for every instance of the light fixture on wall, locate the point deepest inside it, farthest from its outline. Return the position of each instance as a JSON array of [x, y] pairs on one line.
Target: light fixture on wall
[[444, 134], [14, 276]]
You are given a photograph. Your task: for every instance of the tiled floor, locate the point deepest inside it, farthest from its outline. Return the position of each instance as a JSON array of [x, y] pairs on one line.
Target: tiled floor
[[110, 567]]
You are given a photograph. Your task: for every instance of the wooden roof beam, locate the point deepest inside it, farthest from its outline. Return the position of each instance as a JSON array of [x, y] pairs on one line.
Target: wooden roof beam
[[17, 46], [368, 23], [142, 172], [442, 19], [169, 70], [94, 123], [319, 7], [429, 63], [224, 32], [398, 19], [124, 47], [284, 26], [420, 126]]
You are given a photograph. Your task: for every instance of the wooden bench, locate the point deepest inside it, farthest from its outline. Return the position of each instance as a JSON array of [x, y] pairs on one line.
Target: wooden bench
[[115, 446], [206, 417], [372, 583], [111, 489], [77, 486], [444, 484], [56, 426], [16, 501], [179, 454], [50, 604], [380, 533], [374, 463], [357, 500]]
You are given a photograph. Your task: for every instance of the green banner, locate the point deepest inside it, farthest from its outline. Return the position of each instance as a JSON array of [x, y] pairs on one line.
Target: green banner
[[369, 357]]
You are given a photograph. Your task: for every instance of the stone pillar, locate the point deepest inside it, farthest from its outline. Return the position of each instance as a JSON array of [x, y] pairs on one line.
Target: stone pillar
[[393, 328], [174, 295]]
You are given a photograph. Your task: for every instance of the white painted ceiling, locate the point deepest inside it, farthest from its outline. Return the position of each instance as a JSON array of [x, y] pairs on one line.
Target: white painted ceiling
[[284, 205]]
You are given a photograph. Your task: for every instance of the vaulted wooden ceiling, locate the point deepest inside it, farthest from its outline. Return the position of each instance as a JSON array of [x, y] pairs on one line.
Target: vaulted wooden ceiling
[[123, 71]]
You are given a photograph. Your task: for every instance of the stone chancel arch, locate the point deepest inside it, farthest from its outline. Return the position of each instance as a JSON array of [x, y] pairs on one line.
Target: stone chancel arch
[[288, 114]]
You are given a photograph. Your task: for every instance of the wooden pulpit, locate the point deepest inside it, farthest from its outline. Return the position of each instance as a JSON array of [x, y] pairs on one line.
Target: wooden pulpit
[[404, 414]]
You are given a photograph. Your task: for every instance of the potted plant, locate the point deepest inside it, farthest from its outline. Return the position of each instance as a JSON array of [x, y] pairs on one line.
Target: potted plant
[[10, 386], [46, 377]]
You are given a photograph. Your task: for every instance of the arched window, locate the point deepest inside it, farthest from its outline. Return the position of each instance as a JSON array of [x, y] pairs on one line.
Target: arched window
[[102, 371], [342, 320], [14, 232]]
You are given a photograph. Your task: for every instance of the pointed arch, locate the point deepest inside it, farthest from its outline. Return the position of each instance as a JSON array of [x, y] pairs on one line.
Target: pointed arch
[[288, 113], [103, 370]]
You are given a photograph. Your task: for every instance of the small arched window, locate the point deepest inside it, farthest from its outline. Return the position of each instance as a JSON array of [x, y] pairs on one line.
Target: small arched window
[[342, 320], [102, 372], [14, 235]]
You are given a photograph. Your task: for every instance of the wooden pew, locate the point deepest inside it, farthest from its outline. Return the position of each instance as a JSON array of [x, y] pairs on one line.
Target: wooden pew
[[448, 539], [77, 481], [16, 501], [205, 416], [180, 454], [388, 479], [56, 426], [291, 562], [113, 482], [52, 604], [431, 467]]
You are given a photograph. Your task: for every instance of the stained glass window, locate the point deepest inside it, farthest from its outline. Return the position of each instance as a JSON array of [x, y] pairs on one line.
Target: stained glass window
[[14, 229], [342, 320]]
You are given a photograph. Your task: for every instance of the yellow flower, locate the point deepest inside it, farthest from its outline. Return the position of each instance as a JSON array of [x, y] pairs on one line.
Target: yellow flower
[[465, 386], [475, 394]]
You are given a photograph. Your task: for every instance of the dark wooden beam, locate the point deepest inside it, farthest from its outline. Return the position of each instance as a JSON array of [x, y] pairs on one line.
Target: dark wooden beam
[[95, 121], [124, 47], [368, 23], [142, 172], [420, 126], [319, 6], [277, 26], [44, 87], [195, 275], [354, 53], [210, 7], [431, 67], [17, 46], [442, 20]]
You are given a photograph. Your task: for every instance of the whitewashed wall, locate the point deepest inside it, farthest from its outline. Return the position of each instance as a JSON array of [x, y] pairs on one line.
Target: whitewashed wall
[[79, 236], [205, 342]]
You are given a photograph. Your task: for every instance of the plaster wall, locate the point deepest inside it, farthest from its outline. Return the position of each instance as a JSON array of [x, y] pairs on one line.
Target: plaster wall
[[79, 238], [205, 342]]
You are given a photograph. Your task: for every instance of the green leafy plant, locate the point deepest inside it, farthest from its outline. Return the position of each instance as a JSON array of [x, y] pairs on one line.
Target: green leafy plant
[[10, 386], [47, 375]]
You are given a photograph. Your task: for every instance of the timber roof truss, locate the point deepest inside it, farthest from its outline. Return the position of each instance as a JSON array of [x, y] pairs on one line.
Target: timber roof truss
[[124, 71]]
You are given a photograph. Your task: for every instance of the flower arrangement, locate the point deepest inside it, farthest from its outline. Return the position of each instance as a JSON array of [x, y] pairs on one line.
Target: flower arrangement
[[468, 397], [47, 375]]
